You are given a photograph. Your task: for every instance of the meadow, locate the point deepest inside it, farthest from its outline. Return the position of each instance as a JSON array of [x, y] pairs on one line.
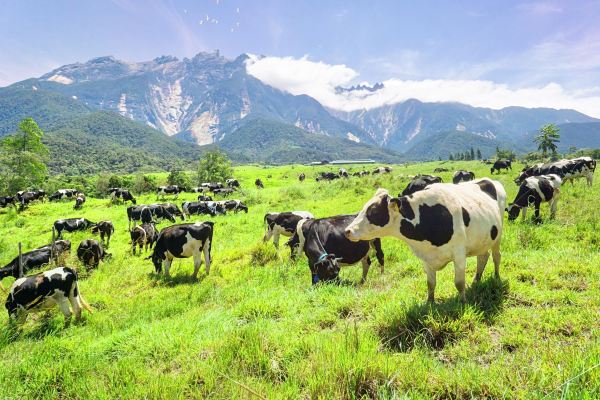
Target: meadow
[[256, 327]]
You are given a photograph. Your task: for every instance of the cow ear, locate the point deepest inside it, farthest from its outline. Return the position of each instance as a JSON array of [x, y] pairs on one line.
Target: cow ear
[[404, 206]]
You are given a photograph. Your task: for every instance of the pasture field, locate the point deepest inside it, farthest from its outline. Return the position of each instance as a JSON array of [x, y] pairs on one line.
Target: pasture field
[[256, 328]]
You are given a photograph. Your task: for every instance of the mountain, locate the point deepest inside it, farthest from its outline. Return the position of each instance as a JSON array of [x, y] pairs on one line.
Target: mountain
[[579, 135], [206, 97], [445, 143]]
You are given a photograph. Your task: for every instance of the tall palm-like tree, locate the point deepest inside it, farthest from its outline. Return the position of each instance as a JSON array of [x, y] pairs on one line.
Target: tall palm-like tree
[[547, 139]]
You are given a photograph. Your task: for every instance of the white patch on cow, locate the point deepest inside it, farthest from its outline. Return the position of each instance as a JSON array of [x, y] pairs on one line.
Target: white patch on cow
[[303, 214]]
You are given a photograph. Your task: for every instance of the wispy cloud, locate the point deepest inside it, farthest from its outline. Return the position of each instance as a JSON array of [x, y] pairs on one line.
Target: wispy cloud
[[540, 8]]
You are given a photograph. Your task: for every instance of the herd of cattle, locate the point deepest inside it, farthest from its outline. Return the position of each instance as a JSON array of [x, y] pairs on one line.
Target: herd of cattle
[[440, 222]]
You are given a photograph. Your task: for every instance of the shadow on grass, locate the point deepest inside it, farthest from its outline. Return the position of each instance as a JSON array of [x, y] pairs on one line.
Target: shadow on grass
[[179, 279], [434, 326]]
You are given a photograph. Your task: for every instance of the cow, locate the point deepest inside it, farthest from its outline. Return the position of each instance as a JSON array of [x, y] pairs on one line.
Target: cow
[[223, 192], [148, 213], [122, 195], [62, 194], [582, 167], [35, 258], [440, 169], [43, 291], [360, 174], [199, 208], [213, 185], [343, 173], [418, 183], [327, 248], [501, 164], [462, 176], [171, 208], [199, 189], [232, 183], [382, 170], [183, 241], [259, 184], [104, 228], [534, 191], [204, 198], [79, 200], [235, 206], [24, 198], [90, 253], [444, 223], [5, 201], [301, 177], [174, 190], [327, 176], [144, 236], [282, 223], [72, 225]]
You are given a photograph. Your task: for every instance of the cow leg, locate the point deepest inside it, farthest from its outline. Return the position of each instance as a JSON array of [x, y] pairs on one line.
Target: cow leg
[[268, 235], [496, 256], [524, 212], [276, 240], [167, 265], [197, 264], [207, 256], [76, 307], [366, 263], [553, 205], [460, 265], [481, 263], [536, 216], [63, 305], [431, 278]]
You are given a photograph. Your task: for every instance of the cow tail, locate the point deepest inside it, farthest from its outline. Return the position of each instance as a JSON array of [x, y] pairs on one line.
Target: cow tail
[[84, 304]]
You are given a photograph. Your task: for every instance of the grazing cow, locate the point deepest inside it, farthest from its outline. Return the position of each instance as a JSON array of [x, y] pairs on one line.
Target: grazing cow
[[199, 189], [444, 223], [144, 236], [43, 291], [72, 225], [343, 173], [259, 184], [283, 223], [327, 248], [184, 241], [211, 186], [79, 200], [104, 228], [149, 213], [301, 177], [360, 174], [501, 164], [6, 201], [199, 208], [171, 209], [582, 167], [35, 258], [204, 198], [24, 198], [534, 191], [440, 169], [382, 170], [462, 176], [62, 194], [418, 183], [232, 183], [235, 206], [90, 253], [122, 195], [223, 192], [173, 190], [327, 176]]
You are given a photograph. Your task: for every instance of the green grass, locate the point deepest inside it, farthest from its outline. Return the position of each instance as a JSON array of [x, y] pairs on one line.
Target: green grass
[[256, 327]]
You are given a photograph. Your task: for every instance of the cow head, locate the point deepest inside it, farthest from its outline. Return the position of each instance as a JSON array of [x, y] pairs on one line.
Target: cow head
[[325, 269], [378, 217], [157, 260], [293, 244], [513, 211]]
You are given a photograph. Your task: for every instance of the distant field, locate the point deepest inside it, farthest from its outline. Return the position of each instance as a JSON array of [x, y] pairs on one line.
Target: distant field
[[256, 327]]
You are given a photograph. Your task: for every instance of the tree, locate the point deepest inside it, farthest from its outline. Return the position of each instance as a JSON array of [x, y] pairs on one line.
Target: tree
[[472, 154], [22, 157], [479, 154], [214, 166], [451, 158], [144, 184], [178, 178], [547, 139]]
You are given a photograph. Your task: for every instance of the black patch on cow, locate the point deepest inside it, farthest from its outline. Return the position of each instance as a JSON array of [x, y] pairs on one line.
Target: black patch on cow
[[489, 188], [435, 225], [404, 207], [494, 232], [466, 217], [378, 213], [546, 188]]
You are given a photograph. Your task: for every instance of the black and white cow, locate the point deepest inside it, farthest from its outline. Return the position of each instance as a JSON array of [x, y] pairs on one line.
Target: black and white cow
[[90, 253], [171, 190], [534, 191], [440, 169], [204, 198], [144, 236], [327, 248], [360, 174], [199, 189], [343, 173], [444, 223], [501, 164], [327, 176], [462, 176], [24, 198], [35, 258], [234, 205], [582, 167], [301, 177], [149, 213], [63, 194], [171, 208], [5, 201], [122, 195], [79, 200], [199, 208], [232, 183], [104, 228], [223, 192], [283, 223], [382, 170], [72, 225], [420, 182], [259, 184], [184, 241], [56, 287]]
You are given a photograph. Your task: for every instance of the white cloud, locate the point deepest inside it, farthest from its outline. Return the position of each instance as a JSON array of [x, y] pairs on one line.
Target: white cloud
[[540, 7], [319, 80]]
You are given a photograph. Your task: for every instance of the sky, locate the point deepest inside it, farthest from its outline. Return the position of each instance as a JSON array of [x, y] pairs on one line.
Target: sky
[[483, 53]]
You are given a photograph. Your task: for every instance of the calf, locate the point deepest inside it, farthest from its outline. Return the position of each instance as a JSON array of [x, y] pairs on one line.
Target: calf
[[501, 164], [418, 183], [343, 173], [205, 198], [324, 243], [282, 223], [90, 252], [199, 208], [444, 223], [144, 236], [43, 291], [122, 195], [183, 241], [462, 176], [62, 194], [35, 258], [72, 225], [104, 228], [536, 190], [173, 190], [79, 200], [259, 184], [232, 183], [301, 177]]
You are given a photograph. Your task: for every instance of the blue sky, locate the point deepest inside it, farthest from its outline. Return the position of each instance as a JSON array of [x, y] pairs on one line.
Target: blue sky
[[521, 45]]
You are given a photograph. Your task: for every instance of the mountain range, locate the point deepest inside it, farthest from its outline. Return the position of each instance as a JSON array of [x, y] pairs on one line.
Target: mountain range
[[211, 100]]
